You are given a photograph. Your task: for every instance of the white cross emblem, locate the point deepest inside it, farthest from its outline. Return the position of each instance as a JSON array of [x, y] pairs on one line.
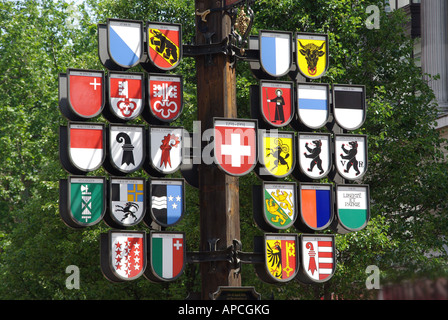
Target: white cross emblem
[[178, 245], [235, 150], [94, 84]]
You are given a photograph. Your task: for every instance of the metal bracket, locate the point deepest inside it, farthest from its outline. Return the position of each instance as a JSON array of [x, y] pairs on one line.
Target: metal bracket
[[212, 255], [240, 257]]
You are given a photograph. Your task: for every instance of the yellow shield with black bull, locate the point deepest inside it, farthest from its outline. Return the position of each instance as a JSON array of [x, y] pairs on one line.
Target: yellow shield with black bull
[[278, 153], [312, 54]]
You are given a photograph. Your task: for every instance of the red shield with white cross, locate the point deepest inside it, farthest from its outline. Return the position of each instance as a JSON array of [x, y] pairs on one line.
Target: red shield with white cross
[[235, 145], [86, 92]]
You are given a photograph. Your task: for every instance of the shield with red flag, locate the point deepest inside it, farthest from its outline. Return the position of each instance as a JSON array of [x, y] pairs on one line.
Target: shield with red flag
[[235, 145], [85, 92]]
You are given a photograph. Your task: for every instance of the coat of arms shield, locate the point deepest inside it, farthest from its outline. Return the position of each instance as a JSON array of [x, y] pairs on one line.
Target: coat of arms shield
[[167, 256], [126, 96], [318, 258], [126, 145], [167, 201], [281, 252], [235, 145], [275, 52], [165, 94], [164, 44], [312, 54], [349, 106], [313, 104], [315, 154], [276, 102], [125, 42], [316, 206], [350, 155], [123, 255], [82, 201], [279, 203], [165, 150], [81, 93], [127, 206], [82, 147], [277, 153]]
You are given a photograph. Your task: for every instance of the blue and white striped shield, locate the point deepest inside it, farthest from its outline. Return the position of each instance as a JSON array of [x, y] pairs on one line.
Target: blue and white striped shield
[[275, 52], [313, 104], [125, 42]]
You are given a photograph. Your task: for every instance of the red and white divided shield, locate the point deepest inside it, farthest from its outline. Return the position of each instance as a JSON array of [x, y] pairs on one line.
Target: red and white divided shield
[[86, 146], [235, 145], [126, 95], [318, 256]]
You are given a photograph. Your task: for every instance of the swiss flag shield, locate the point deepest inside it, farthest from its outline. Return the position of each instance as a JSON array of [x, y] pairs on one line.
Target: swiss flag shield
[[235, 145], [86, 92]]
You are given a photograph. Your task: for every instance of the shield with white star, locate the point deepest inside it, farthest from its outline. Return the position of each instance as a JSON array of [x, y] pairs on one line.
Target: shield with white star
[[123, 255], [167, 204]]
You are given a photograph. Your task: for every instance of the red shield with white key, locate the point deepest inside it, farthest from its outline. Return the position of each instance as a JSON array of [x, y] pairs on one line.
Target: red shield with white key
[[126, 94]]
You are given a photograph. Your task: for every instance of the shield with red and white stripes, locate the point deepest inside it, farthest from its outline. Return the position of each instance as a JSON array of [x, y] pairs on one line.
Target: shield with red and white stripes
[[167, 256], [318, 258]]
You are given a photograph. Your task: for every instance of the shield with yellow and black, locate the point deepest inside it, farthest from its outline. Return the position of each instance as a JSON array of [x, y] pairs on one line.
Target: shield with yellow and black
[[312, 54], [163, 45], [281, 257]]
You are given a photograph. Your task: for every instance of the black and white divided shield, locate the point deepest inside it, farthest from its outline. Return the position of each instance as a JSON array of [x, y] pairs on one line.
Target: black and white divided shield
[[165, 149], [315, 154], [350, 155], [127, 204], [349, 106], [126, 149]]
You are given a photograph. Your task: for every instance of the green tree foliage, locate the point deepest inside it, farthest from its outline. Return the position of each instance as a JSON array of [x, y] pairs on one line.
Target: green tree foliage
[[407, 174]]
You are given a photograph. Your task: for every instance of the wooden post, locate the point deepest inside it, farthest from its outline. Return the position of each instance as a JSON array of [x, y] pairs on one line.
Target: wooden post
[[219, 198]]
